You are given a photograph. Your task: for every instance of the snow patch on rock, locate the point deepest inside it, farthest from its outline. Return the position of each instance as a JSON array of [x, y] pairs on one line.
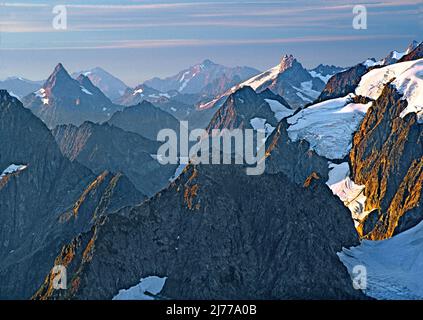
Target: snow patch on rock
[[279, 109], [145, 290], [13, 168]]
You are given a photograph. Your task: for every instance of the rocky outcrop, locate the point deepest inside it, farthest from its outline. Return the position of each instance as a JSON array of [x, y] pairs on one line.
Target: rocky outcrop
[[325, 72], [294, 159], [239, 109], [105, 147], [214, 235], [387, 157], [342, 83], [415, 54], [48, 203]]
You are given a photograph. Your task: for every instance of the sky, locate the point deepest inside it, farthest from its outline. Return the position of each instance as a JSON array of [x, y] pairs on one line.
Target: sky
[[139, 39]]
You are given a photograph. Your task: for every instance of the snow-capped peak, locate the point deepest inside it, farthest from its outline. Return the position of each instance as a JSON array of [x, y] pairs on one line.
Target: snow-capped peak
[[413, 45], [408, 81], [110, 85], [372, 63], [392, 57]]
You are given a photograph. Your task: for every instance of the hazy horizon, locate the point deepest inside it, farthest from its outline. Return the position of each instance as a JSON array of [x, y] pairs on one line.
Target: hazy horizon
[[136, 40]]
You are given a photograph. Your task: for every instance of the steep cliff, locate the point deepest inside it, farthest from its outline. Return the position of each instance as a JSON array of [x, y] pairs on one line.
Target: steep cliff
[[387, 157]]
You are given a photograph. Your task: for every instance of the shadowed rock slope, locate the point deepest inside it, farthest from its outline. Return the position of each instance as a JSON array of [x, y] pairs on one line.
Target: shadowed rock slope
[[342, 83], [417, 53], [217, 233], [144, 119], [47, 203], [105, 147]]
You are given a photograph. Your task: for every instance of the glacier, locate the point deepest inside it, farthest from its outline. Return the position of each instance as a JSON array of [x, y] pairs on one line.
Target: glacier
[[394, 266]]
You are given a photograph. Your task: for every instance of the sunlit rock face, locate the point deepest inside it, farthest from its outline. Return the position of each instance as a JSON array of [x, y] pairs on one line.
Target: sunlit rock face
[[387, 158]]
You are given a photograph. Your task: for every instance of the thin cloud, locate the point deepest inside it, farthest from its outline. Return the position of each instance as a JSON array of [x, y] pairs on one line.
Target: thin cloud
[[304, 9], [131, 7], [169, 43], [22, 5]]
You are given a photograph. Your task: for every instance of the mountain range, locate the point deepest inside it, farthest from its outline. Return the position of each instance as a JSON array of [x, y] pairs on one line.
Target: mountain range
[[20, 87], [205, 79], [81, 187], [289, 79]]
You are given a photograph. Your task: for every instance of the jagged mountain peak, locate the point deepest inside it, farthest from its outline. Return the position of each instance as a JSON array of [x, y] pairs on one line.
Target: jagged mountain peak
[[393, 56], [286, 229], [61, 84], [208, 63], [413, 45], [145, 104], [59, 73], [415, 54], [287, 62], [289, 79], [59, 67], [53, 198], [82, 78], [63, 100]]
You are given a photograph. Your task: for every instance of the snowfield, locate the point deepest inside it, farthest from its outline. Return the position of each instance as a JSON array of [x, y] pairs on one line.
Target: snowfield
[[410, 85], [350, 193], [328, 126], [325, 79], [279, 109], [406, 77], [306, 89], [394, 266], [257, 81], [261, 124]]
